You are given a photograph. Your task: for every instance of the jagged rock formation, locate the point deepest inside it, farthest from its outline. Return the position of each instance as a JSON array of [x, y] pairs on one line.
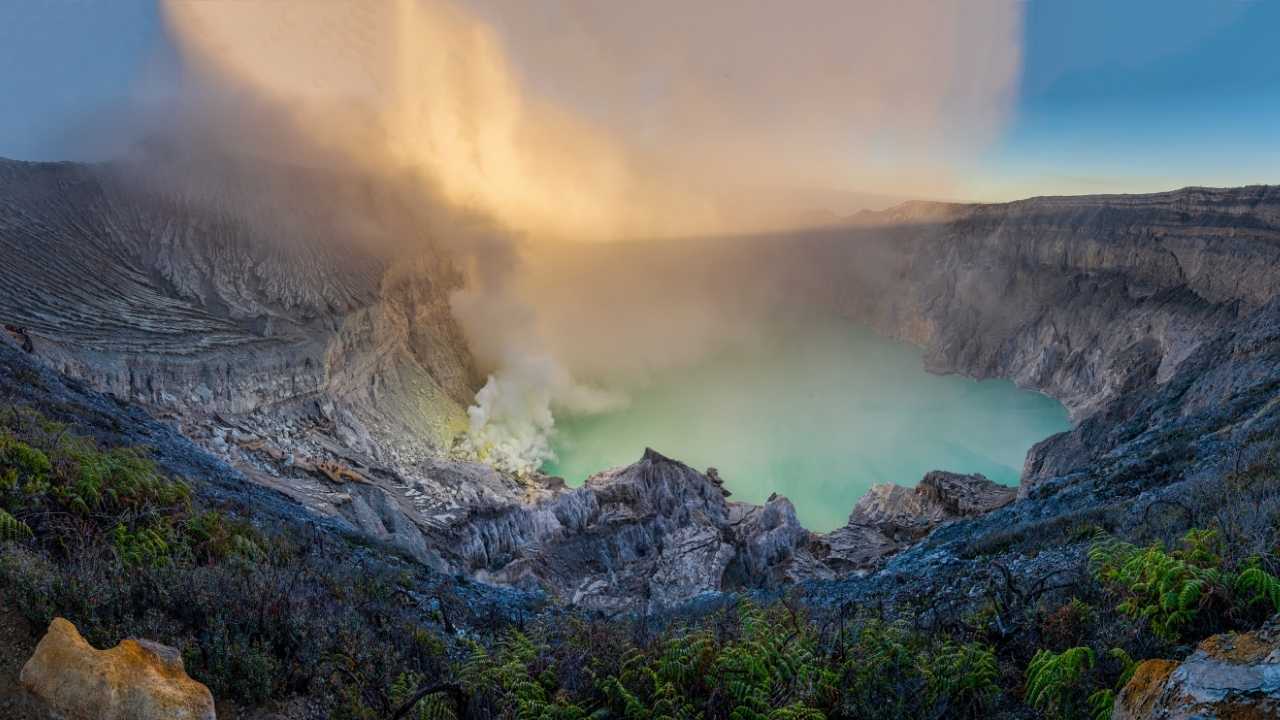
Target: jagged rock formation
[[909, 513], [135, 680], [657, 532], [1228, 676], [336, 375]]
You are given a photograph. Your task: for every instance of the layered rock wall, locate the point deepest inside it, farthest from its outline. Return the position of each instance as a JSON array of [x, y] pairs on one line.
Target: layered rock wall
[[1078, 297], [197, 303]]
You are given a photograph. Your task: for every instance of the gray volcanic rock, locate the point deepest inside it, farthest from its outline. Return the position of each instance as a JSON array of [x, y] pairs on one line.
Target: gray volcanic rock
[[181, 302], [658, 532], [210, 304], [1223, 398], [963, 495], [655, 531]]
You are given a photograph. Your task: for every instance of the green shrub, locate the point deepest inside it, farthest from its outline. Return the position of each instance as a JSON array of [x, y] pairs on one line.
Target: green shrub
[[211, 536], [748, 662], [1184, 591], [70, 494]]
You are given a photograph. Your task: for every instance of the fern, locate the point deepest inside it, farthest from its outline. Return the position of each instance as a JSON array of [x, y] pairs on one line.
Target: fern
[[1172, 590], [29, 464], [1054, 680], [145, 546], [1259, 587], [1165, 589], [1102, 704], [964, 677], [11, 528], [796, 712], [432, 707]]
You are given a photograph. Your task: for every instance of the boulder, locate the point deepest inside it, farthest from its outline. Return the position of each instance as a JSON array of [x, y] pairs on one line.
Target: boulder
[[135, 680], [1234, 676]]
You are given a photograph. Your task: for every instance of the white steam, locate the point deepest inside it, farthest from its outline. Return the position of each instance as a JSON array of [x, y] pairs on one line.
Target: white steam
[[513, 417]]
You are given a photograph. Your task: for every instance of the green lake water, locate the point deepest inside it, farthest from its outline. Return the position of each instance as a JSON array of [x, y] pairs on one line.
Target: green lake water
[[818, 414]]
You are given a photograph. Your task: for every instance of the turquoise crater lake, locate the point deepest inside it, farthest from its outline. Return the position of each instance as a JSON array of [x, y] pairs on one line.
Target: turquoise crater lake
[[817, 413]]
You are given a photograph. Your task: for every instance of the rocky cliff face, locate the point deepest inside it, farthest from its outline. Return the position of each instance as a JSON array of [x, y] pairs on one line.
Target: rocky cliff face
[[1079, 297], [172, 299], [336, 375]]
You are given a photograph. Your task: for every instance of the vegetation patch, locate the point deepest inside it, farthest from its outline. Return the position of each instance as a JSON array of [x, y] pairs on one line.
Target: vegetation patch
[[297, 618], [1187, 591]]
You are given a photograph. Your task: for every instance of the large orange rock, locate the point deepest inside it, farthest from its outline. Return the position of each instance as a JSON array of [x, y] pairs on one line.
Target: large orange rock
[[1233, 676], [135, 680]]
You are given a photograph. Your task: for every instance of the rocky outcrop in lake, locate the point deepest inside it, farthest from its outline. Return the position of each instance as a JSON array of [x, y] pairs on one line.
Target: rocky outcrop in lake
[[909, 513]]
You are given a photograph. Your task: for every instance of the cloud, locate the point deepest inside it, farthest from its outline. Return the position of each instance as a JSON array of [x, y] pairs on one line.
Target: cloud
[[527, 125], [586, 120]]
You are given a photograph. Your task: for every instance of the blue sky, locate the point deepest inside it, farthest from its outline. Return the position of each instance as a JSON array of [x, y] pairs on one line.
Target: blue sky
[[1118, 95], [1138, 96], [65, 62]]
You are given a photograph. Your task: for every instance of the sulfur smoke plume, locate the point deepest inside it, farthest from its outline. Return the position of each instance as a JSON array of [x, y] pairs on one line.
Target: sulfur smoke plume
[[581, 121]]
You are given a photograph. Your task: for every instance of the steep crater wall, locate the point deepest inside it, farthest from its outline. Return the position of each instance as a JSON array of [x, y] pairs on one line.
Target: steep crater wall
[[1078, 297], [201, 303], [338, 378]]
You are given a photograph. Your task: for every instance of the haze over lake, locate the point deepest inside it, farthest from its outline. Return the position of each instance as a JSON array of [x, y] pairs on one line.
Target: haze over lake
[[817, 413]]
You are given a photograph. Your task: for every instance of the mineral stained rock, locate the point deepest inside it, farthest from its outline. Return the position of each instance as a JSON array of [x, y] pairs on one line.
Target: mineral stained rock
[[1234, 676], [135, 680]]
